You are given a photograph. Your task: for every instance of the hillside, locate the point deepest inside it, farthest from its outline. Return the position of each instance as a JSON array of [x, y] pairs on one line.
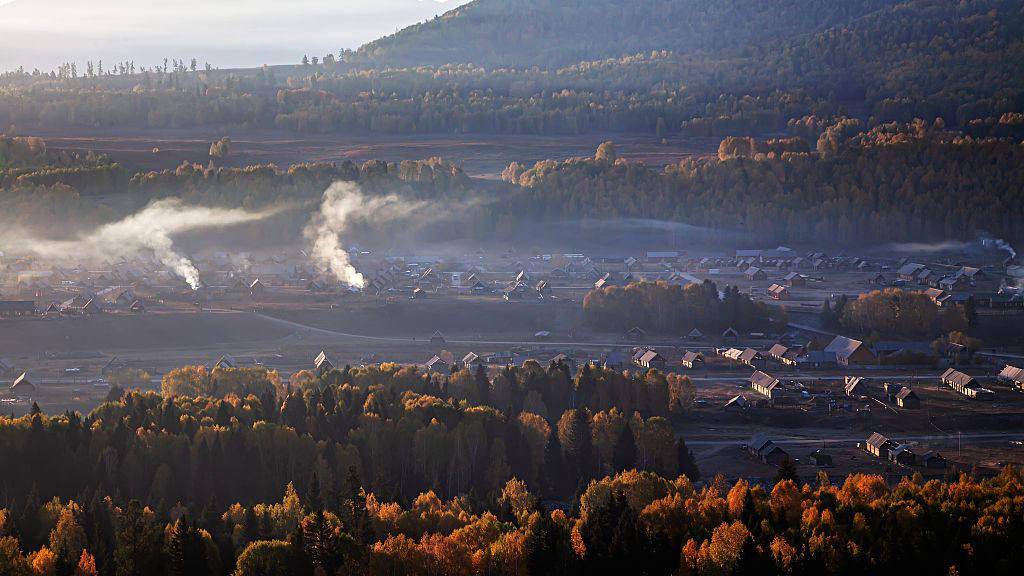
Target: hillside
[[553, 33]]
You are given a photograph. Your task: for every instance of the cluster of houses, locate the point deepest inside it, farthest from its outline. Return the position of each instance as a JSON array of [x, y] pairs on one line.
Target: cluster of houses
[[957, 286], [898, 394], [768, 451], [902, 454], [84, 304]]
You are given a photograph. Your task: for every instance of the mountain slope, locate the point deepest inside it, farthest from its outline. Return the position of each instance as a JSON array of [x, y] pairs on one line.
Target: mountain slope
[[561, 32]]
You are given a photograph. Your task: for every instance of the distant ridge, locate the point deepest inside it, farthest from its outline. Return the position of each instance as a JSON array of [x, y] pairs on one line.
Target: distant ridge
[[561, 32]]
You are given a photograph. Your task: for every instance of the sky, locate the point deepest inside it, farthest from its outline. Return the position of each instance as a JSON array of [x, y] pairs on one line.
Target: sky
[[226, 33]]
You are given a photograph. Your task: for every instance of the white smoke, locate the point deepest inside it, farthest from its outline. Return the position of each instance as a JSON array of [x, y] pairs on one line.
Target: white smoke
[[1005, 246], [148, 232], [344, 204], [929, 247]]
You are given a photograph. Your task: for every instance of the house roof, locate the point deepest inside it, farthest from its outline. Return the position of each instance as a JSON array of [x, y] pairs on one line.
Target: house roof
[[877, 440], [759, 442], [953, 376], [843, 346], [739, 400], [435, 360], [910, 269], [650, 356], [1012, 373], [21, 381], [905, 393], [226, 361], [470, 358], [852, 383], [322, 360], [692, 356], [749, 355], [778, 350], [764, 380]]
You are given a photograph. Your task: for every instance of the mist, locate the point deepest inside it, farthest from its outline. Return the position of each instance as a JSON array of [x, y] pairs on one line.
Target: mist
[[343, 206], [147, 233], [227, 33]]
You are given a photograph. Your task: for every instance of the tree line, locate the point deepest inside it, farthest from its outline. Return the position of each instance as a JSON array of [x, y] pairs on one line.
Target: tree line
[[674, 308], [892, 183], [327, 518]]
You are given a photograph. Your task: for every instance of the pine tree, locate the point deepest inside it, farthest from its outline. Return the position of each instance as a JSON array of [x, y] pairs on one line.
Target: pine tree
[[687, 462], [787, 471], [483, 385], [554, 467], [624, 457]]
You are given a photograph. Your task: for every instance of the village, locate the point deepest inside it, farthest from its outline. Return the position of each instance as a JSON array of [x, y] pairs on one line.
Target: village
[[805, 392]]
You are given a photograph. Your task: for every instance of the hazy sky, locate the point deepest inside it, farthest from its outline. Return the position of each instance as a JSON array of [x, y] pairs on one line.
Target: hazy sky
[[226, 33]]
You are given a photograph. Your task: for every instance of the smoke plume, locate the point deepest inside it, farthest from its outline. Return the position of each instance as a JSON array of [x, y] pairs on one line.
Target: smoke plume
[[148, 232], [929, 247], [1005, 246], [344, 204]]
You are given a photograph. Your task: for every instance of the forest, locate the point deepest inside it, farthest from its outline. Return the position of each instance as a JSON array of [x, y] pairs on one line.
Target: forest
[[833, 179], [383, 470], [672, 308], [892, 183], [700, 67]]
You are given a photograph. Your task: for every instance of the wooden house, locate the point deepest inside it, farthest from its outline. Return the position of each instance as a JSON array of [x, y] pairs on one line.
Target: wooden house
[[470, 360], [878, 445], [755, 274], [736, 404], [906, 398], [225, 362], [635, 333], [651, 359], [762, 448], [436, 364], [21, 387], [765, 385], [780, 353], [820, 458], [966, 385], [565, 360], [12, 308], [850, 352], [902, 455], [752, 358], [795, 279], [692, 360], [855, 386], [910, 271], [932, 460], [1013, 376], [778, 292], [322, 363]]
